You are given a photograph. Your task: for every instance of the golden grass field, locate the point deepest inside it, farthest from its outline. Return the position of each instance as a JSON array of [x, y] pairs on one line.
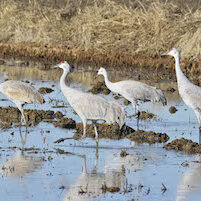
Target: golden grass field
[[101, 32]]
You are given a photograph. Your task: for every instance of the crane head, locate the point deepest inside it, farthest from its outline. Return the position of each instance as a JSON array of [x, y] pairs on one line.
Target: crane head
[[173, 52], [101, 71], [64, 65]]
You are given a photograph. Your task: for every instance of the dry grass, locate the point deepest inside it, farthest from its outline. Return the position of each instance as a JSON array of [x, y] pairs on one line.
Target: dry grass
[[104, 32]]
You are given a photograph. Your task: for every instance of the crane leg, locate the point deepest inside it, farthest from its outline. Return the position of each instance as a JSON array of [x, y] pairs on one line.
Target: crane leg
[[85, 165], [23, 140], [22, 112], [96, 132], [198, 114], [136, 112], [84, 121], [96, 161], [199, 134], [138, 118], [135, 107]]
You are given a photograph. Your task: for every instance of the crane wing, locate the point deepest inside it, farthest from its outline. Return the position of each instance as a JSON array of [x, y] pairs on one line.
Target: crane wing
[[93, 107], [23, 92], [137, 90], [193, 94]]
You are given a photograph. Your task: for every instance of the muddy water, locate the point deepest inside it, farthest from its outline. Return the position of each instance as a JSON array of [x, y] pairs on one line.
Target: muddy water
[[77, 170]]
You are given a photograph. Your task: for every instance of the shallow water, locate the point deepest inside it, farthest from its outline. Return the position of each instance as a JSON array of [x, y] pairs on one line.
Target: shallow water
[[78, 173]]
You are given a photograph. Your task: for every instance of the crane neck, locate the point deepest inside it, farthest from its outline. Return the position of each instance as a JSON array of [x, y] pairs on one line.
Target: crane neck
[[63, 79], [107, 81], [63, 85], [179, 74]]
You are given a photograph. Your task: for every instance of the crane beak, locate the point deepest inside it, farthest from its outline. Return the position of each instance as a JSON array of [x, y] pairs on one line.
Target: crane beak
[[96, 76], [56, 66], [164, 54]]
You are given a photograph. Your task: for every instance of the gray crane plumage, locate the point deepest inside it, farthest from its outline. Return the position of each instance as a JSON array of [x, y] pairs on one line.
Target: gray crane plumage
[[89, 106], [20, 93], [134, 91], [189, 92]]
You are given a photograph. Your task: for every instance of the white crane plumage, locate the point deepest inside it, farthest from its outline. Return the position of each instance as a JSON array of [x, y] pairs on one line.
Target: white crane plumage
[[89, 106], [21, 93], [189, 92], [134, 91]]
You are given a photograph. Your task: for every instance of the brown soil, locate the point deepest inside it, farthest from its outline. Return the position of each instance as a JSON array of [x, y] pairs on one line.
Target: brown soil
[[45, 90], [64, 123], [184, 145], [111, 189], [113, 132], [148, 137], [10, 115], [123, 154], [104, 131], [172, 109], [170, 90], [126, 102], [99, 87], [145, 115]]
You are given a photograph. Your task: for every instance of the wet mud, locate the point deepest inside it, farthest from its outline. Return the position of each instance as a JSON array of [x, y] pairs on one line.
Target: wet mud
[[150, 137], [99, 87], [126, 102], [64, 123], [111, 131], [146, 115], [184, 145], [45, 90], [123, 154], [11, 115], [172, 109], [170, 90], [111, 189]]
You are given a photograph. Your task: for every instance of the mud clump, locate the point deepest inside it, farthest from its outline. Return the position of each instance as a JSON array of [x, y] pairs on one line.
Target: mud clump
[[172, 109], [10, 115], [184, 145], [123, 154], [6, 125], [126, 102], [99, 87], [111, 131], [111, 189], [170, 90], [145, 115], [148, 137], [116, 97], [65, 123], [45, 90]]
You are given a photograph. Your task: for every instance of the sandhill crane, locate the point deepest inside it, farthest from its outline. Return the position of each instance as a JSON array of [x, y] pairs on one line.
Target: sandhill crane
[[189, 92], [21, 93], [89, 106], [134, 91]]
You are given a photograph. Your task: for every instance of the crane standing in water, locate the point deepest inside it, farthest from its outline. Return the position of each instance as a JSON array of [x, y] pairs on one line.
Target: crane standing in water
[[134, 91], [21, 93], [89, 106], [189, 92]]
